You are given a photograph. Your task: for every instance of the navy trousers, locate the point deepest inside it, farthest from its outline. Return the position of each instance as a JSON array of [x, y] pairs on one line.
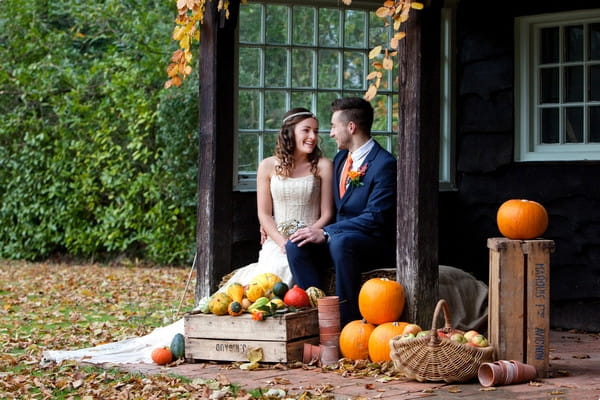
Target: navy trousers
[[350, 254]]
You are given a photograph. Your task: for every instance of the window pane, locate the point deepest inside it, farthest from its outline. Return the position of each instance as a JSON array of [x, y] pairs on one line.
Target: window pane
[[378, 33], [302, 99], [594, 83], [324, 100], [249, 70], [275, 107], [329, 69], [304, 25], [269, 141], [302, 68], [276, 67], [277, 24], [327, 145], [380, 108], [594, 124], [549, 85], [329, 27], [248, 109], [549, 128], [573, 84], [594, 41], [354, 70], [251, 28], [549, 45], [574, 43], [354, 29], [574, 125], [247, 152]]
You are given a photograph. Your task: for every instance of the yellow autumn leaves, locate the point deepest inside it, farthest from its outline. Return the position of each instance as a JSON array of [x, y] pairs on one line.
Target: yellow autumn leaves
[[191, 14]]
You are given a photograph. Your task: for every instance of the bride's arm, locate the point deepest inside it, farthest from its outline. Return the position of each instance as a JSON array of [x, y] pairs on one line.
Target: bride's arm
[[264, 201], [327, 206]]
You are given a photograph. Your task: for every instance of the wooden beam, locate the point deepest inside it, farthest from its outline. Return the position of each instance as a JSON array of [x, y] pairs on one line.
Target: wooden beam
[[418, 160], [215, 156]]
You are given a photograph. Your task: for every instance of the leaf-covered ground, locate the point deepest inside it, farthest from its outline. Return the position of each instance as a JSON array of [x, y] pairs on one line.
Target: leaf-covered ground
[[55, 306]]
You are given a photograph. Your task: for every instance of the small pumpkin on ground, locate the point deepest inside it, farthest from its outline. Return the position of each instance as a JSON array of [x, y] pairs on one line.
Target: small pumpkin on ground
[[354, 339], [377, 292], [161, 355], [379, 341], [177, 346], [522, 219]]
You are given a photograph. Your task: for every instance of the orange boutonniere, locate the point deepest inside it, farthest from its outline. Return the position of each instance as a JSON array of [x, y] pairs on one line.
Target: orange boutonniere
[[355, 177]]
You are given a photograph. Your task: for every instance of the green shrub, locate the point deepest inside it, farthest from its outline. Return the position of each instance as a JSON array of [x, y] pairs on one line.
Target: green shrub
[[96, 159]]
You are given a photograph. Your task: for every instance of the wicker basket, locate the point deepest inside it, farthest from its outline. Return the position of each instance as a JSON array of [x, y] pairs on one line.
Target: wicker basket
[[435, 358]]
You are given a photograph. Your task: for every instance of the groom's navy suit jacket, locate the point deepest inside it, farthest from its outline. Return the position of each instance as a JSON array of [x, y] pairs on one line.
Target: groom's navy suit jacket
[[370, 208]]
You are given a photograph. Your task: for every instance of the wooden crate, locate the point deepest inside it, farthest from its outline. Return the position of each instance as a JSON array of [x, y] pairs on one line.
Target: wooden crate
[[226, 338], [519, 300]]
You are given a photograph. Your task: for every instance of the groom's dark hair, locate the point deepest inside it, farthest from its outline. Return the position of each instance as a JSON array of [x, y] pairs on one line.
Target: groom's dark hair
[[357, 110]]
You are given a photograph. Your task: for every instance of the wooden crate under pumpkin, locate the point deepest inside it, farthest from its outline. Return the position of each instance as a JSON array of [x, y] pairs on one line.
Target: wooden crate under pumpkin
[[227, 338], [519, 300]]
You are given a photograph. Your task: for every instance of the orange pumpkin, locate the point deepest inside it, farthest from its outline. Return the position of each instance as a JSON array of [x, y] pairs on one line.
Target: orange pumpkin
[[379, 341], [354, 339], [161, 355], [522, 219], [381, 300]]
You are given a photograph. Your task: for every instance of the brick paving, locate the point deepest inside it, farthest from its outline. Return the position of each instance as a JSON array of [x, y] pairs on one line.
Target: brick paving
[[575, 366]]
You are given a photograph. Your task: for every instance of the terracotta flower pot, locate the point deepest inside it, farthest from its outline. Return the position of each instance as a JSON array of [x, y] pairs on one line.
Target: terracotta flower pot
[[329, 354], [311, 353], [329, 339], [505, 372], [328, 301]]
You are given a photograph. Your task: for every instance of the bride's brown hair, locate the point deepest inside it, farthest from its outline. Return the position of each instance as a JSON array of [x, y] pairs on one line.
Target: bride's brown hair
[[286, 143]]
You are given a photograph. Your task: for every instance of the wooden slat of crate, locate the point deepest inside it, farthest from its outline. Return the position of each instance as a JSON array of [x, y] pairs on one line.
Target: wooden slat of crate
[[506, 317], [227, 338], [284, 327], [237, 350], [519, 300], [538, 304]]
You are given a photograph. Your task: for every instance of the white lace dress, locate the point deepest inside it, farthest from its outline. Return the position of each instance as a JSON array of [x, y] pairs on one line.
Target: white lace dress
[[293, 199]]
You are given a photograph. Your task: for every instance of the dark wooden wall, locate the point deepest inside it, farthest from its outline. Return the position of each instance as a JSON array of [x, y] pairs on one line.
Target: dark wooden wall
[[487, 174]]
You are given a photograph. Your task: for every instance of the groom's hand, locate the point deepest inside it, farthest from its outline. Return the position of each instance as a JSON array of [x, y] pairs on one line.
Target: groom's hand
[[307, 235]]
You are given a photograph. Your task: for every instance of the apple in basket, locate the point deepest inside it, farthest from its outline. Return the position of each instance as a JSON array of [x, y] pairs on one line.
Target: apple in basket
[[423, 333], [406, 336], [469, 334], [412, 328], [479, 341], [458, 337]]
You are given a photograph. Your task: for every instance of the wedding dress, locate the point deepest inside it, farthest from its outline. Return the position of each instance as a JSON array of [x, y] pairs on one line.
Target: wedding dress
[[296, 201]]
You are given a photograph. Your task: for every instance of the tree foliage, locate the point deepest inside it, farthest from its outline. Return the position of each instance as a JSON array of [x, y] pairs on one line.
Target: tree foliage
[[95, 159]]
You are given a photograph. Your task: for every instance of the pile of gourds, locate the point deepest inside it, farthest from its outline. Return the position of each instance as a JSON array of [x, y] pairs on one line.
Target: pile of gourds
[[265, 295]]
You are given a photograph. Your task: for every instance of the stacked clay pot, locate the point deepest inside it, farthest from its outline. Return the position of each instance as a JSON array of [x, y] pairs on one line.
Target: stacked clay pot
[[504, 372]]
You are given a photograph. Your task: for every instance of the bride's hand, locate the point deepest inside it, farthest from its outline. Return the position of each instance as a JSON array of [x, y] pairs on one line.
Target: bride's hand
[[308, 235]]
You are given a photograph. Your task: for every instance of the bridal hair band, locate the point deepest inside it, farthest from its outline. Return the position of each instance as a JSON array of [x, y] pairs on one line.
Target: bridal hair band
[[297, 115]]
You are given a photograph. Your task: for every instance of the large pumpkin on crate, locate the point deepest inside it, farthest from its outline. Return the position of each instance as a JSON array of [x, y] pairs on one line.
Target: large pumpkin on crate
[[354, 339], [381, 300], [522, 219]]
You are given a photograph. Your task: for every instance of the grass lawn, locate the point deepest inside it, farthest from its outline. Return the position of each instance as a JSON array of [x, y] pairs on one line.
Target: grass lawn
[[56, 306]]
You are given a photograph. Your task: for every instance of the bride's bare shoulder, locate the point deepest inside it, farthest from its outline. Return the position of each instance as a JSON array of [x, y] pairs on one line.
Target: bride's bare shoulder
[[267, 166]]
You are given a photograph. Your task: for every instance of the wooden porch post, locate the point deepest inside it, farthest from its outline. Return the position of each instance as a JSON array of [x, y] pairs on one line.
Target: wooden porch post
[[418, 160], [215, 159]]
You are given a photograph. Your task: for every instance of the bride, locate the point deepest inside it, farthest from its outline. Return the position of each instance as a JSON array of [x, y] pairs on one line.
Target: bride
[[293, 189]]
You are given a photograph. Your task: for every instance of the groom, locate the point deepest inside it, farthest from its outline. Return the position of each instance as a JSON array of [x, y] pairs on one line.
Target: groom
[[363, 235]]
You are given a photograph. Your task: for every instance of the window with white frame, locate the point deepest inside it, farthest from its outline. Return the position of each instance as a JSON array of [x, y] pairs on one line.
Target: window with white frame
[[295, 54], [558, 86]]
